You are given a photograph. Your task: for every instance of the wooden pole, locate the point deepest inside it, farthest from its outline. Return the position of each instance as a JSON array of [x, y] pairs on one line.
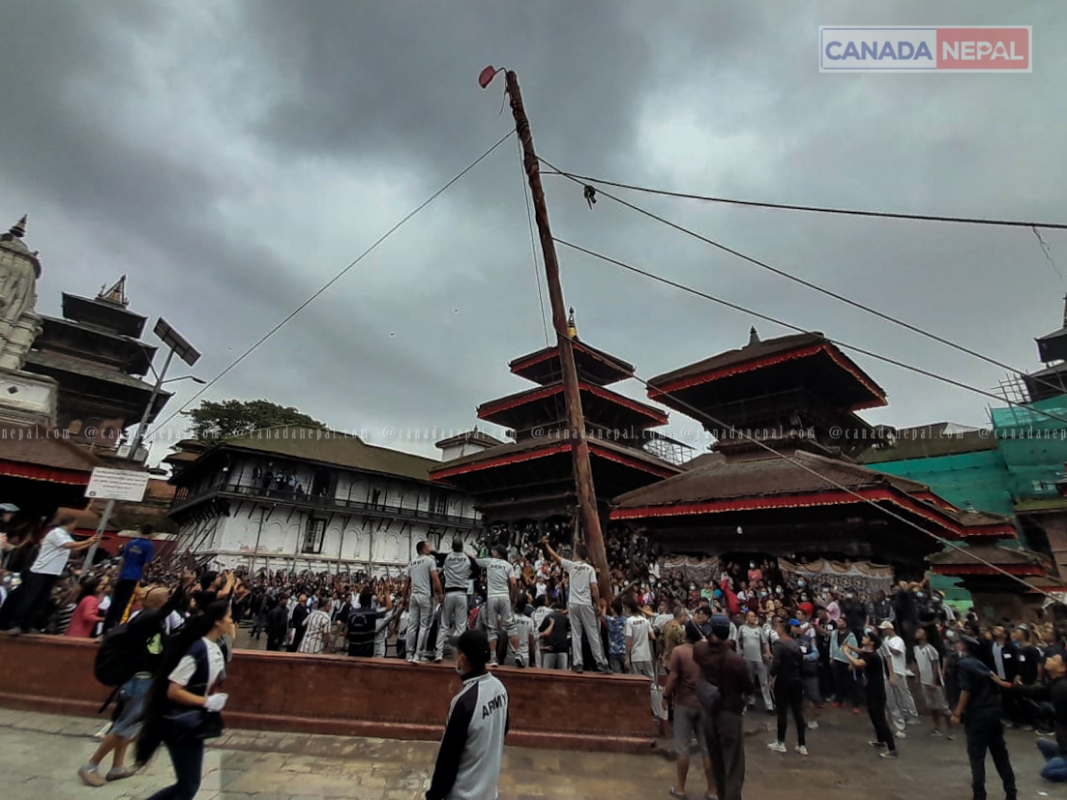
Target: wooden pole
[[583, 473]]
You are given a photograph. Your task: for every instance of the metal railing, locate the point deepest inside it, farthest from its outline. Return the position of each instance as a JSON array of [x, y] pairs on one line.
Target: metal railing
[[325, 502]]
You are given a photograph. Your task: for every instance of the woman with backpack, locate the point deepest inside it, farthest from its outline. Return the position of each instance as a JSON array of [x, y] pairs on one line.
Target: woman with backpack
[[128, 658], [182, 712]]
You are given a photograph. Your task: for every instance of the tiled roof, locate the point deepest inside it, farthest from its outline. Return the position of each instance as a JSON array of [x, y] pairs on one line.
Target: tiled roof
[[702, 460], [723, 479], [40, 447], [753, 352], [578, 345], [470, 436], [532, 445], [994, 554], [51, 361], [332, 448], [734, 361]]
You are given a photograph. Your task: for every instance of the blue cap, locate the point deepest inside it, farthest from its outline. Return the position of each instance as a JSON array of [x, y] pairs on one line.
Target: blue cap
[[794, 623], [719, 621]]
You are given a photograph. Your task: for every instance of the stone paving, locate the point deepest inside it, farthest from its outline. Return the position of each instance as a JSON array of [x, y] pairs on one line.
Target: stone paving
[[40, 754]]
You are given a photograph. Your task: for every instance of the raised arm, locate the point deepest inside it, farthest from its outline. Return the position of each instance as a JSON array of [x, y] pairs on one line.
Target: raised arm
[[551, 553]]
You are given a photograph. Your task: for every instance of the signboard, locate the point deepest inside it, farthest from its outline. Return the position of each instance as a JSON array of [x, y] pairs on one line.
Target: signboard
[[117, 484]]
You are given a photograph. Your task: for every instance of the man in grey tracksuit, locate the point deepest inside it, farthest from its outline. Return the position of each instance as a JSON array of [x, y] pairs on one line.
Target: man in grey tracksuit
[[422, 581], [500, 589], [582, 602], [453, 623]]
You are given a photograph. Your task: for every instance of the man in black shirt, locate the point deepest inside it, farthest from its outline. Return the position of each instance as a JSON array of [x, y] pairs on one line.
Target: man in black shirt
[[979, 708], [299, 622], [880, 609], [874, 669], [554, 639], [786, 664], [854, 613], [363, 626], [278, 624], [1055, 691]]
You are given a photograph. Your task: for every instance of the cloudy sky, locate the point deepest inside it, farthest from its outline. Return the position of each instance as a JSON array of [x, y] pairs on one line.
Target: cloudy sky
[[233, 157]]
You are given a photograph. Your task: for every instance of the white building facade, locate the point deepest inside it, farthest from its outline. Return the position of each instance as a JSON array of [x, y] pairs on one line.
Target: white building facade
[[300, 499]]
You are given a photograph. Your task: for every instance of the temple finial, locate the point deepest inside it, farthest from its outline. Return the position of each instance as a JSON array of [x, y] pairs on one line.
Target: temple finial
[[572, 327], [753, 337], [116, 294], [16, 231]]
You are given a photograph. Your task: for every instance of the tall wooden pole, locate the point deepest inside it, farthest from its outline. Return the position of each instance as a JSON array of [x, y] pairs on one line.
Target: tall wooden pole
[[583, 473]]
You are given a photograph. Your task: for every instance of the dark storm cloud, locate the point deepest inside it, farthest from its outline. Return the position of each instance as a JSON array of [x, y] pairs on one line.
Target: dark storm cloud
[[233, 158]]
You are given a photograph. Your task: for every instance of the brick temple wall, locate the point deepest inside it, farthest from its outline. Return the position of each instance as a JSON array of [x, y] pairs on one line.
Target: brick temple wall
[[352, 697]]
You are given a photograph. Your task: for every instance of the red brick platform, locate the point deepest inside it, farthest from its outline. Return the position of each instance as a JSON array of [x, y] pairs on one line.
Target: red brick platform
[[352, 696]]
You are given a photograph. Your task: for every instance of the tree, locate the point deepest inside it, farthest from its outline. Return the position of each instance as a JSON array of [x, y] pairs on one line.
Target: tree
[[213, 420]]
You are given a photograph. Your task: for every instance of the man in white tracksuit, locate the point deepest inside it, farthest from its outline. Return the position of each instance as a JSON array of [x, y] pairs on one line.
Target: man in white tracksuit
[[500, 589], [457, 569], [582, 603], [899, 701], [422, 586], [754, 645]]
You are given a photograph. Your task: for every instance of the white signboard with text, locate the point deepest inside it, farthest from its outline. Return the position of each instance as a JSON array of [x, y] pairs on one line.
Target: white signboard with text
[[117, 484]]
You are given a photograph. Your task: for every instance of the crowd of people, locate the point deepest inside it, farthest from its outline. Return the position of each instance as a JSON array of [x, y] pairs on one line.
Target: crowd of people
[[746, 639]]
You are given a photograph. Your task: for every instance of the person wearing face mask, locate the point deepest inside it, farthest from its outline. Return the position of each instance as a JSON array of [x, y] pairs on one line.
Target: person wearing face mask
[[472, 748]]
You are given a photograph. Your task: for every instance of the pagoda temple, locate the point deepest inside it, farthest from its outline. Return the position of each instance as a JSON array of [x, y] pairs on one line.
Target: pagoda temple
[[95, 353], [531, 479], [783, 479], [39, 471]]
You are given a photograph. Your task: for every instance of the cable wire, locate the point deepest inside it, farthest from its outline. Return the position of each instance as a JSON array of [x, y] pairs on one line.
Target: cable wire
[[815, 287], [333, 280], [799, 329], [1010, 223], [705, 417], [533, 244]]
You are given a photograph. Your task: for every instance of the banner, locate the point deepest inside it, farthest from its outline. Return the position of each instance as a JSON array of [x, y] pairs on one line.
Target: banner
[[860, 577], [698, 570]]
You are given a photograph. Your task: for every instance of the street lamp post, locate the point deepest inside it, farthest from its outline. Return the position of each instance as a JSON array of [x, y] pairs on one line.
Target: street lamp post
[[177, 345]]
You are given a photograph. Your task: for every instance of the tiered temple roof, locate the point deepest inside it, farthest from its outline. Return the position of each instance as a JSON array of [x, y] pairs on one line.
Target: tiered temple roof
[[533, 476], [95, 354], [782, 412]]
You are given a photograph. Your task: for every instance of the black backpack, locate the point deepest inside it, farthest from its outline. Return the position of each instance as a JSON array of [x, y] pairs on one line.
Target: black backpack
[[116, 660]]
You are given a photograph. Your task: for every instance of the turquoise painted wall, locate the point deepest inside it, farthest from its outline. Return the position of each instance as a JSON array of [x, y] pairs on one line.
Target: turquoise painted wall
[[980, 478]]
